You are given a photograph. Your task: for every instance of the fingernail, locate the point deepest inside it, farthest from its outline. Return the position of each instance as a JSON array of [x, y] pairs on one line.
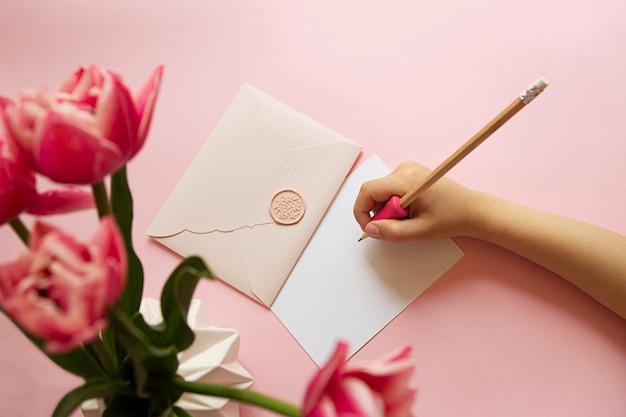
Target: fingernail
[[372, 231]]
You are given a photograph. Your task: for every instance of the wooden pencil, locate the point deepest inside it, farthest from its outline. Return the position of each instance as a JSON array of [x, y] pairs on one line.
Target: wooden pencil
[[516, 105]]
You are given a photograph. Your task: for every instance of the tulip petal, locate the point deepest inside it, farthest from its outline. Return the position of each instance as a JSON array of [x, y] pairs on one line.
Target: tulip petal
[[111, 246], [115, 115], [17, 182], [402, 407], [16, 193], [60, 201], [389, 375], [320, 381], [66, 138], [354, 397], [370, 389], [61, 288], [11, 118], [72, 82], [325, 408], [82, 87], [144, 103], [11, 274]]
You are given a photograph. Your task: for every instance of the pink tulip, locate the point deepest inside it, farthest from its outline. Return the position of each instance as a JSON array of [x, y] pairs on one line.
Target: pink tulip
[[60, 289], [84, 131], [17, 183], [379, 388], [18, 189]]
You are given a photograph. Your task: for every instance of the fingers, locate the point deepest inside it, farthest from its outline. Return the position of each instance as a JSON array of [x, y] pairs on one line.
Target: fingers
[[371, 197], [373, 194], [444, 210], [397, 231]]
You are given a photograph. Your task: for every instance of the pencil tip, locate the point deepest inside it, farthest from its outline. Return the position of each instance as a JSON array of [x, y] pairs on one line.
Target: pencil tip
[[360, 239]]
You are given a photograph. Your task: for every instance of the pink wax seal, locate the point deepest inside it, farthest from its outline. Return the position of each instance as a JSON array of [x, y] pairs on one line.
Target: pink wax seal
[[287, 207]]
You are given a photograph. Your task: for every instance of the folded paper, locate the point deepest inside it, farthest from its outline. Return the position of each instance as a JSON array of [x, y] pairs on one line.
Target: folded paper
[[342, 289], [211, 359], [253, 196]]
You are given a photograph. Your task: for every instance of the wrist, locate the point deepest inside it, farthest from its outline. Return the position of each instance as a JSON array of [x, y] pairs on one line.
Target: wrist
[[481, 211]]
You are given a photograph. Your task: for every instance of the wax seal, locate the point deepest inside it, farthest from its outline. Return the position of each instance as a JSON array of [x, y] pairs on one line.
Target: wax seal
[[287, 207]]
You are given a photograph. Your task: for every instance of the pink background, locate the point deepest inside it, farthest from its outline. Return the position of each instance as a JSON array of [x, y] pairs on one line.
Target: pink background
[[496, 335]]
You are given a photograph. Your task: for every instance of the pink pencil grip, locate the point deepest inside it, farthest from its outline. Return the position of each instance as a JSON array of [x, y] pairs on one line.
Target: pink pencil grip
[[392, 210]]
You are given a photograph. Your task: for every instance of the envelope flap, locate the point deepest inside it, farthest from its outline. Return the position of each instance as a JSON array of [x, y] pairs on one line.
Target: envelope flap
[[292, 128], [214, 192], [229, 184]]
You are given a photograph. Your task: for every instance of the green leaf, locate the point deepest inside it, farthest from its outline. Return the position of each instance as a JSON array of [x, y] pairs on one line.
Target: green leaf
[[20, 230], [149, 362], [122, 206], [95, 388], [109, 342], [156, 333], [163, 397], [176, 297], [79, 362]]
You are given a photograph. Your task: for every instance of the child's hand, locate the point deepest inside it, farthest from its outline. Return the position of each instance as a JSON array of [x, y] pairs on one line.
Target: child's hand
[[441, 211]]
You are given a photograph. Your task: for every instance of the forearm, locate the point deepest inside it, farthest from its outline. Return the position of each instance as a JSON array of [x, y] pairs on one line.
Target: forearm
[[592, 258]]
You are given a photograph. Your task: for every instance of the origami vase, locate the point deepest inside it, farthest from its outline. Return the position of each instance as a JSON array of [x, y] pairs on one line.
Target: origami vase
[[212, 358]]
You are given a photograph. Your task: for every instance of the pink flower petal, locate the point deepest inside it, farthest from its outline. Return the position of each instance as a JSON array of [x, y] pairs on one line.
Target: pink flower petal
[[60, 289], [145, 102], [15, 195], [83, 87], [68, 139], [388, 375], [17, 182], [325, 408], [111, 246], [71, 83], [115, 115], [64, 200], [317, 386], [11, 274], [375, 388], [354, 397], [20, 135]]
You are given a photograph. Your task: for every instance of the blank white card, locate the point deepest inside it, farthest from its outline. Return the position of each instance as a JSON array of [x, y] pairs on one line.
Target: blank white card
[[341, 289]]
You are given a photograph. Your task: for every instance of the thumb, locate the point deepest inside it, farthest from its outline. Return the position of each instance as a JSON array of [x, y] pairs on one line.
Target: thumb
[[373, 230], [395, 230], [388, 230]]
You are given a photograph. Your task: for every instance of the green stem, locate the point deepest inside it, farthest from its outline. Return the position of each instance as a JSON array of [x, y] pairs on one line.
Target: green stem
[[20, 228], [244, 396], [102, 200], [104, 356]]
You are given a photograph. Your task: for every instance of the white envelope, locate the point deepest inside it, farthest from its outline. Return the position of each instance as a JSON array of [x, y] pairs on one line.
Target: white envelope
[[220, 208]]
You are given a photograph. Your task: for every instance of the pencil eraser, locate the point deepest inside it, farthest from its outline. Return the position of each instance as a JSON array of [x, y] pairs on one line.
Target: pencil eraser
[[533, 90], [541, 83]]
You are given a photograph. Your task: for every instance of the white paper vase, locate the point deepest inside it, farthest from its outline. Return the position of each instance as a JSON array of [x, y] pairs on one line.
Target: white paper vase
[[212, 358]]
